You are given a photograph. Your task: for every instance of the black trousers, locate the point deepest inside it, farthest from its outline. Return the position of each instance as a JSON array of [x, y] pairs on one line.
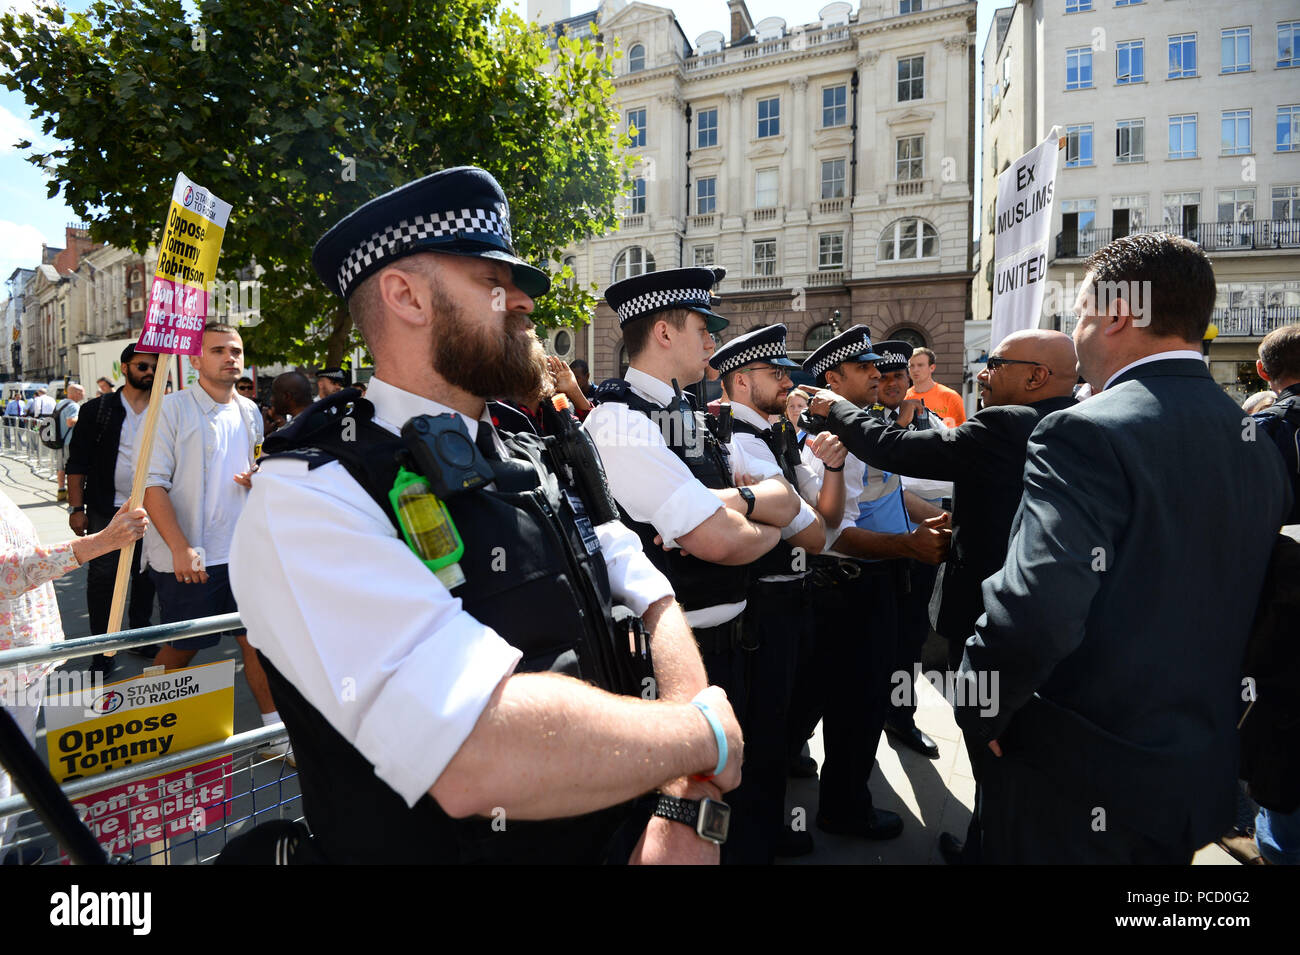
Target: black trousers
[[913, 628], [101, 574], [774, 617], [1028, 818], [847, 684]]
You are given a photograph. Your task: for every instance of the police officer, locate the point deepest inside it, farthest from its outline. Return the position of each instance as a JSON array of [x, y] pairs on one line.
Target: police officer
[[892, 407], [856, 606], [673, 481], [756, 379], [440, 699]]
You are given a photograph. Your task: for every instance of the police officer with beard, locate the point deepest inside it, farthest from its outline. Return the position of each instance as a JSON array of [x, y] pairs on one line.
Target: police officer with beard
[[778, 618], [453, 695], [673, 481]]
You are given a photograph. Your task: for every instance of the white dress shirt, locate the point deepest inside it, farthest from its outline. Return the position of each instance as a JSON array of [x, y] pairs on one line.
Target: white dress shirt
[[653, 485], [372, 639], [1159, 356]]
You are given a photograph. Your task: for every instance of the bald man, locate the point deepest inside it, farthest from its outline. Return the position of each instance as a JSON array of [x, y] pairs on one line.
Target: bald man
[[1030, 375]]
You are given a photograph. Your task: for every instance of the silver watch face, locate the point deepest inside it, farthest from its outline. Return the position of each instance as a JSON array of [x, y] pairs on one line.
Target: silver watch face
[[714, 820]]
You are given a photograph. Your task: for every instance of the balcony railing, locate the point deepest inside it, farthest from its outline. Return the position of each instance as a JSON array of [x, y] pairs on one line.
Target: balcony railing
[[825, 278], [830, 206], [761, 283], [765, 215], [1253, 322], [707, 221], [905, 188], [792, 43], [1244, 236], [633, 222]]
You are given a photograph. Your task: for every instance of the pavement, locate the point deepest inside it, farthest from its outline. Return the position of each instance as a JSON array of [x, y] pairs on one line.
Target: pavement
[[932, 796]]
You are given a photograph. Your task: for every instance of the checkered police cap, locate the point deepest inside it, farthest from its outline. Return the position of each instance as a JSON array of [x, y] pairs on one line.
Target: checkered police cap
[[762, 345], [893, 354], [852, 345], [653, 292], [460, 211]]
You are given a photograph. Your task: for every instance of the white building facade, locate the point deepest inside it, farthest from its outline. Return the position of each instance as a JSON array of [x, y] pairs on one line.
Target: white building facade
[[1178, 115], [826, 166]]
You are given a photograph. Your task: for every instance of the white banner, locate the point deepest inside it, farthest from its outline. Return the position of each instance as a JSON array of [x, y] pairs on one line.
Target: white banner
[[1021, 233]]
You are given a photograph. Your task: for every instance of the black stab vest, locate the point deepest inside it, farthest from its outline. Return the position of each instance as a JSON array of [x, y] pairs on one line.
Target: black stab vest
[[697, 583], [780, 559], [550, 599]]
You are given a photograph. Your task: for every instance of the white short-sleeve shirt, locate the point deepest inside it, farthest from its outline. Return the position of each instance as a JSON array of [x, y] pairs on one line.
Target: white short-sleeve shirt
[[359, 625]]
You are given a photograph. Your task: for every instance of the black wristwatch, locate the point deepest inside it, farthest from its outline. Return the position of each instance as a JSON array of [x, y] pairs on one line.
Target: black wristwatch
[[79, 509], [708, 817], [748, 497]]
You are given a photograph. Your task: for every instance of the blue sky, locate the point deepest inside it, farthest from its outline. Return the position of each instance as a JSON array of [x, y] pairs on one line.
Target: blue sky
[[28, 218]]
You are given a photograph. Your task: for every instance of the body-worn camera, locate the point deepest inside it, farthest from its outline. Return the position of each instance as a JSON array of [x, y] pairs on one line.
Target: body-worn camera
[[445, 454]]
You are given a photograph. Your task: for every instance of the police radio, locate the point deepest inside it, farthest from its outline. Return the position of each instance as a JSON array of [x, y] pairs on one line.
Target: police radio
[[445, 454]]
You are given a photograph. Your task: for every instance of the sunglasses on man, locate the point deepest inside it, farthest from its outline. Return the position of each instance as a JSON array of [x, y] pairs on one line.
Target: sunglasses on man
[[997, 361]]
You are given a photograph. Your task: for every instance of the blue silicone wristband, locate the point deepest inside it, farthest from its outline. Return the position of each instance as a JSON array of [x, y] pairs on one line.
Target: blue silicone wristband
[[719, 736]]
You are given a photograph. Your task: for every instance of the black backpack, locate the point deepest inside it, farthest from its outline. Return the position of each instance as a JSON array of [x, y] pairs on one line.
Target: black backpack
[[1281, 423], [1270, 727]]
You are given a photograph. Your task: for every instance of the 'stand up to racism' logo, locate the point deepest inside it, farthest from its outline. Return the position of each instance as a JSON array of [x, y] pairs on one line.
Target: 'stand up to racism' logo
[[108, 702], [189, 196]]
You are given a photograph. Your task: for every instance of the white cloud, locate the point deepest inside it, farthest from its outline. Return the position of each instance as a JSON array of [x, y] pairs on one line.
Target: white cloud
[[20, 247], [12, 129]]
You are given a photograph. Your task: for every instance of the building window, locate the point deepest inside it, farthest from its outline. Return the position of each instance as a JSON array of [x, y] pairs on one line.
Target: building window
[[765, 257], [769, 117], [1287, 35], [908, 162], [766, 186], [706, 195], [908, 6], [1128, 214], [1129, 63], [632, 262], [835, 109], [833, 179], [1286, 202], [1236, 205], [1234, 45], [707, 129], [636, 127], [1182, 56], [636, 58], [1078, 6], [1288, 129], [1078, 219], [636, 201], [571, 263], [911, 78], [702, 255], [1182, 136], [1130, 136], [1078, 146], [1182, 213], [1234, 128], [1078, 68], [908, 239], [830, 251], [1128, 3]]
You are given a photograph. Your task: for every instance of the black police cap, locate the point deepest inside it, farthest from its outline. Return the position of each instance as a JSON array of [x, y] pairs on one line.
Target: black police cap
[[460, 211], [766, 345], [654, 292], [894, 355], [851, 345]]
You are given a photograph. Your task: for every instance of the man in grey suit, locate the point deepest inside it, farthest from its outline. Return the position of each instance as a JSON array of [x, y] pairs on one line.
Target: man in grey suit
[[1116, 627]]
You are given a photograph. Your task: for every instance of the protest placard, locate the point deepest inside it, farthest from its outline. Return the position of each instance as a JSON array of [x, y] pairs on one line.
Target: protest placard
[[1023, 224]]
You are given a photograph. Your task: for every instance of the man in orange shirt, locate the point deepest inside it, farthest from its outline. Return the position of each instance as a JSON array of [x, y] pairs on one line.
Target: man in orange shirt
[[940, 399]]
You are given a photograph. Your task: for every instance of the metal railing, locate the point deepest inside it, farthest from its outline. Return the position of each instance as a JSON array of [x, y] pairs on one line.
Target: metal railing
[[20, 438], [1246, 235], [253, 789]]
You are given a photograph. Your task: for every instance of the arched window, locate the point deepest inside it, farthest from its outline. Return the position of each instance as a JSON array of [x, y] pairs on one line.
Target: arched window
[[636, 58], [912, 336], [908, 239], [571, 263], [818, 336], [632, 262]]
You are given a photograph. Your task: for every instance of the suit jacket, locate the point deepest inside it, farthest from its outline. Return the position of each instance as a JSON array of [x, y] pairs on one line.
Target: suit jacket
[[93, 452], [985, 459], [1116, 628]]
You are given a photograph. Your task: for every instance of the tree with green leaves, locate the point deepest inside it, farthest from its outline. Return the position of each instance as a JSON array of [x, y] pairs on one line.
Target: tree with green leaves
[[297, 111]]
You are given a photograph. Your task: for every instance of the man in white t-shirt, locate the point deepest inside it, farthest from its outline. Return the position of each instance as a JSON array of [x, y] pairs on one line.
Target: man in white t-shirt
[[199, 475]]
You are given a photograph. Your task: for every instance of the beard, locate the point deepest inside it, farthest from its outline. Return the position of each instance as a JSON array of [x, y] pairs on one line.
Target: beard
[[771, 404], [141, 382], [486, 363]]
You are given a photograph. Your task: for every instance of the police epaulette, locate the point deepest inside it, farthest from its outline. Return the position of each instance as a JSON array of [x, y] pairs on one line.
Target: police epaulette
[[314, 457]]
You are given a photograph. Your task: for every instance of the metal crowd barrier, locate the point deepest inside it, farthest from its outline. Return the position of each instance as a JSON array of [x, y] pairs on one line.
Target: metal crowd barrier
[[256, 790], [20, 438]]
